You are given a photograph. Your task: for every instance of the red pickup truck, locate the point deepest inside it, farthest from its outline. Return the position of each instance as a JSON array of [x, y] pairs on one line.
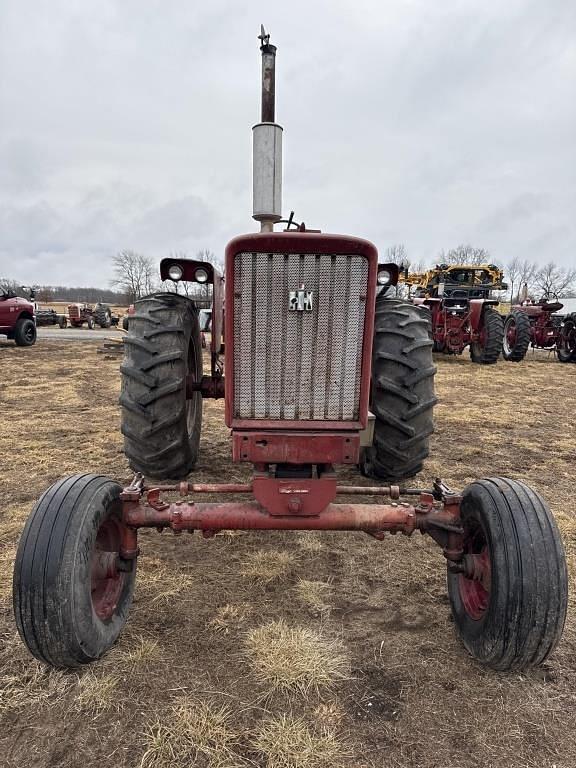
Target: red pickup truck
[[17, 318]]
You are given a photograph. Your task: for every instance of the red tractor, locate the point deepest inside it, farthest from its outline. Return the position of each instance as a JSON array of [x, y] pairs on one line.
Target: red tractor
[[314, 342], [17, 318], [539, 325], [462, 308], [80, 314]]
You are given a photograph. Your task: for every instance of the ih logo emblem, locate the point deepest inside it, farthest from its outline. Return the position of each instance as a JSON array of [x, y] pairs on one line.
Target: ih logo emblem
[[301, 300]]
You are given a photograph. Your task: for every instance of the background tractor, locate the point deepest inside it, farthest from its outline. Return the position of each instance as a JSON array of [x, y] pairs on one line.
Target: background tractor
[[312, 341], [101, 314], [462, 308], [541, 326]]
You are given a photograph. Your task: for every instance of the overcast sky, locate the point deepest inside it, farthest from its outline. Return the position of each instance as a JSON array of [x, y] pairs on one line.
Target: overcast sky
[[127, 124]]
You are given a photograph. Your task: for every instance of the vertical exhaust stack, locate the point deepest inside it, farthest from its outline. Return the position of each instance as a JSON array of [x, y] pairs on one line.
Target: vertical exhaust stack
[[267, 147]]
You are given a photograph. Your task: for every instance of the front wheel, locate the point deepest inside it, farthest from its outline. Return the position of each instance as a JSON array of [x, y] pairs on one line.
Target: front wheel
[[566, 343], [90, 323], [72, 590], [25, 332], [510, 614], [488, 347]]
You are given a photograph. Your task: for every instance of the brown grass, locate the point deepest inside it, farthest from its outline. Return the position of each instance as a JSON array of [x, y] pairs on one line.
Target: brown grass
[[230, 617], [34, 686], [193, 733], [289, 742], [407, 694], [268, 566], [316, 595], [98, 692], [294, 659]]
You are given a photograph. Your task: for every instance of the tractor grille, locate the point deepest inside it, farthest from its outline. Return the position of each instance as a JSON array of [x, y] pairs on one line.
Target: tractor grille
[[298, 364]]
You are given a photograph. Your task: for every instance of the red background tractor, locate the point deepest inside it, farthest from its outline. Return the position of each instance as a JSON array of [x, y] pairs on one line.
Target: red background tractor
[[462, 309], [539, 325]]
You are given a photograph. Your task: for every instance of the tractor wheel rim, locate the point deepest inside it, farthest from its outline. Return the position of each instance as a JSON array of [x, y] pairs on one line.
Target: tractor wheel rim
[[510, 336], [107, 582], [570, 336], [475, 588]]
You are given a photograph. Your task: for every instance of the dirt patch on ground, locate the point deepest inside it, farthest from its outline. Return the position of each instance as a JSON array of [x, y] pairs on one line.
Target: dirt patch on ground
[[190, 683]]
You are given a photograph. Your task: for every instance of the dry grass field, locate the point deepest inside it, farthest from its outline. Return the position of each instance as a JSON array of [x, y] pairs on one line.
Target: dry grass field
[[284, 650]]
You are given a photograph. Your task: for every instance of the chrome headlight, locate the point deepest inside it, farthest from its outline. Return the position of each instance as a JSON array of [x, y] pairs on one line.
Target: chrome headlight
[[175, 272]]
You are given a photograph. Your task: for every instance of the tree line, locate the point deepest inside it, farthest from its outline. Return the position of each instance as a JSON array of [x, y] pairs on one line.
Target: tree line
[[45, 294], [136, 275], [549, 279]]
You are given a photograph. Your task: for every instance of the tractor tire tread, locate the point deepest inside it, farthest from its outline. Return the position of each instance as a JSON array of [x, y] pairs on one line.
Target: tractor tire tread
[[402, 390], [162, 346], [527, 609], [520, 348]]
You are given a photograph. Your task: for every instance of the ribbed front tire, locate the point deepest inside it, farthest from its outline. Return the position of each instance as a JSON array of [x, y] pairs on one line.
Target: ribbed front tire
[[71, 591], [402, 393], [510, 616], [161, 427]]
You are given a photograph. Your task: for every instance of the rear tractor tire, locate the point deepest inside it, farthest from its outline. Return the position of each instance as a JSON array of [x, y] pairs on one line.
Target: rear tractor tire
[[487, 350], [566, 344], [516, 336], [161, 427], [402, 392], [511, 614], [71, 590]]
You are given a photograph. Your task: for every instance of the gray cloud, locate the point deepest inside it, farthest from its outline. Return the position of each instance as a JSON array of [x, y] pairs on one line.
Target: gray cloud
[[127, 125]]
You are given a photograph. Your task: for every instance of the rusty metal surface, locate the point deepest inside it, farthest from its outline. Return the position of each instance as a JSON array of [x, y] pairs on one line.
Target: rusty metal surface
[[295, 447], [145, 508], [180, 516], [208, 386], [296, 496], [268, 77]]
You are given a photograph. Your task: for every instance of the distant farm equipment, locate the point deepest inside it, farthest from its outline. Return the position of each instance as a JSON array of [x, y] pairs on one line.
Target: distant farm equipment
[[100, 314], [541, 326], [50, 317], [462, 308]]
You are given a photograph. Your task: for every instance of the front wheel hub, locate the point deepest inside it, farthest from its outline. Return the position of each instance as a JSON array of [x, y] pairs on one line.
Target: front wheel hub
[[474, 582], [107, 578]]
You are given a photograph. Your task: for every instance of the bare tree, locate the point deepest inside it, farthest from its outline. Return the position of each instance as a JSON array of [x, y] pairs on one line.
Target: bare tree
[[526, 273], [553, 280], [513, 270], [396, 254], [10, 285], [135, 274], [465, 254]]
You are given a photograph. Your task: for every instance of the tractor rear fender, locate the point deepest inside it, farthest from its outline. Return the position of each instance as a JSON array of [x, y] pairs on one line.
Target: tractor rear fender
[[476, 310]]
